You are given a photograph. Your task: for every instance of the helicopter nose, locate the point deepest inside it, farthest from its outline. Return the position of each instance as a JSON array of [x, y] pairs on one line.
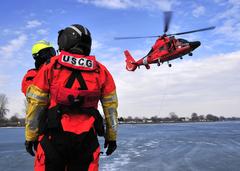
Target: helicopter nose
[[194, 44]]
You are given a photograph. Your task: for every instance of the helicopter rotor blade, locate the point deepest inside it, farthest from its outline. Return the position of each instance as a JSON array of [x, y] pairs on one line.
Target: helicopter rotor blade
[[142, 37], [167, 19], [193, 31]]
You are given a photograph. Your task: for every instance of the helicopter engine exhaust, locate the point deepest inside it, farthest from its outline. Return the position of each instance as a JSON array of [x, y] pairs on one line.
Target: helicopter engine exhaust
[[130, 62]]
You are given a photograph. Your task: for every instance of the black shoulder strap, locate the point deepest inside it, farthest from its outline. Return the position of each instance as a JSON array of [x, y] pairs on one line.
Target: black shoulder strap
[[81, 81], [76, 74], [29, 78]]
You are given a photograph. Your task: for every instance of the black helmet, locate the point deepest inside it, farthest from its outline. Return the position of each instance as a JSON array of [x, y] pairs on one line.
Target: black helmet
[[76, 39]]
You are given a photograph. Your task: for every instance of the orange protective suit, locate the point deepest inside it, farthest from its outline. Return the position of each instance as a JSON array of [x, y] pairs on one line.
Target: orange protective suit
[[75, 83]]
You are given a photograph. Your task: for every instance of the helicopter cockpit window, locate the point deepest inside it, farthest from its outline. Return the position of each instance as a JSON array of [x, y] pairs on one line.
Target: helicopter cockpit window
[[183, 40]]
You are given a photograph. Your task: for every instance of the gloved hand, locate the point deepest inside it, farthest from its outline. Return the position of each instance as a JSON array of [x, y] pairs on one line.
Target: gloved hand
[[111, 146], [29, 145]]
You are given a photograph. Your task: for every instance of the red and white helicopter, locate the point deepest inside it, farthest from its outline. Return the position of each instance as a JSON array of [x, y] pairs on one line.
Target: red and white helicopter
[[166, 47]]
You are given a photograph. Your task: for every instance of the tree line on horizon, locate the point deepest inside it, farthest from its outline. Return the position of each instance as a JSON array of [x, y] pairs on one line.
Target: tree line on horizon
[[15, 120], [173, 117]]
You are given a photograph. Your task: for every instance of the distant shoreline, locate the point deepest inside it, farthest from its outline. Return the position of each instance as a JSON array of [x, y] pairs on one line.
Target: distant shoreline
[[153, 123], [143, 123]]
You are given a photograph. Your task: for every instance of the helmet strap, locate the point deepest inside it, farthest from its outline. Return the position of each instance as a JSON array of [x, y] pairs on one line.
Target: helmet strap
[[77, 50]]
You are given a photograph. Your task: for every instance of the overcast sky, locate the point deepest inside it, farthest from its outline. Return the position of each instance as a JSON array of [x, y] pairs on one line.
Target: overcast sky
[[206, 83]]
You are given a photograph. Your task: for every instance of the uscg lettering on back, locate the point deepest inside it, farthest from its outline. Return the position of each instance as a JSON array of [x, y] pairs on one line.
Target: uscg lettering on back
[[77, 62]]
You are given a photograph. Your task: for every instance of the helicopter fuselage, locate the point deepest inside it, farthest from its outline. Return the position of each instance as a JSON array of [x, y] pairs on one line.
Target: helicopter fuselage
[[166, 49]]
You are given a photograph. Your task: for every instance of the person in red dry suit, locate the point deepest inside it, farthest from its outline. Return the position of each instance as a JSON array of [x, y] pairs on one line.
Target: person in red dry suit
[[41, 52], [69, 88]]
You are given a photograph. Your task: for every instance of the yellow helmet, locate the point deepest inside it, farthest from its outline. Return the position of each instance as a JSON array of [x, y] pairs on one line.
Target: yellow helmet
[[42, 44]]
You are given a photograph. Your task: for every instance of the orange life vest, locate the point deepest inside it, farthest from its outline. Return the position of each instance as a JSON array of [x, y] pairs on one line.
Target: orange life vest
[[74, 82]]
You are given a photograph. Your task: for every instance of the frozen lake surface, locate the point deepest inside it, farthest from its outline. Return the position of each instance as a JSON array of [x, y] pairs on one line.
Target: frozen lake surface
[[211, 146]]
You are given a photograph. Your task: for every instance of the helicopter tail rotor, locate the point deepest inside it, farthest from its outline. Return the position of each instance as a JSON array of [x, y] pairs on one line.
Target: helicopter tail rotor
[[130, 62]]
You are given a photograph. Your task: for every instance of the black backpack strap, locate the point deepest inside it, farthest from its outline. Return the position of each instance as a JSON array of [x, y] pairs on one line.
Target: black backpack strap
[[71, 80], [81, 81], [76, 74]]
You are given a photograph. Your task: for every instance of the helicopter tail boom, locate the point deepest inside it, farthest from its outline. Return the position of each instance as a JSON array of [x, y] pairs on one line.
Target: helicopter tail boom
[[131, 64]]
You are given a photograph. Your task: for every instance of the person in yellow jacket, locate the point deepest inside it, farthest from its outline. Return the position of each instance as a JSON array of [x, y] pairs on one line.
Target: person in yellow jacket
[[69, 88], [41, 52]]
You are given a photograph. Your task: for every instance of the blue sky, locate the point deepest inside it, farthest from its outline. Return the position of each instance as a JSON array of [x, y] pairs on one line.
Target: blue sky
[[207, 82]]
